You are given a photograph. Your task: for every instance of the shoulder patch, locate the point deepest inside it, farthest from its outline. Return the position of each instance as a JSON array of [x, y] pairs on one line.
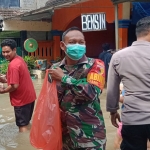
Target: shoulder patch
[[96, 76]]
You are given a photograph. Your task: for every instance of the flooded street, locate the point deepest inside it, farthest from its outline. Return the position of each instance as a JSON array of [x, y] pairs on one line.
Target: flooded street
[[10, 139]]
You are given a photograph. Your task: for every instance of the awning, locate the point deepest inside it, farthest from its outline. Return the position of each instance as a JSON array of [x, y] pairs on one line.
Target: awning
[[45, 13], [121, 1]]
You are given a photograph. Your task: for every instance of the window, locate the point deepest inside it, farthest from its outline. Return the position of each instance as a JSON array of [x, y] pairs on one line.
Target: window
[[9, 3], [14, 3]]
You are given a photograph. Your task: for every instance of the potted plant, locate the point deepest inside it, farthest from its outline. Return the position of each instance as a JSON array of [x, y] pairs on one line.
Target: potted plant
[[30, 61]]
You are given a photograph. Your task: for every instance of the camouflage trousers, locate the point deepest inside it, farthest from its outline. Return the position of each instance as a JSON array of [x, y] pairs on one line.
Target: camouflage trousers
[[91, 148], [95, 148], [68, 145]]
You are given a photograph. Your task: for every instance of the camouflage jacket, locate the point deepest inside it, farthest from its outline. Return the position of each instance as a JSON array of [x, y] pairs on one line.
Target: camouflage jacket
[[82, 119]]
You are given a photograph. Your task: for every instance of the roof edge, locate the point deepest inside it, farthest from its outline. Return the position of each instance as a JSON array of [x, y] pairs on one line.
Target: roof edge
[[45, 8]]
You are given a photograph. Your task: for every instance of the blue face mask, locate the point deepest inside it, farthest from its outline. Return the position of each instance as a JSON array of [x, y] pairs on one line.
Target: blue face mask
[[75, 51]]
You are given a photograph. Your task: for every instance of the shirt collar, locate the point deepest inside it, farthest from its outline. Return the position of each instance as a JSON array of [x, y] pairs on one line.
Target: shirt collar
[[141, 43], [83, 60]]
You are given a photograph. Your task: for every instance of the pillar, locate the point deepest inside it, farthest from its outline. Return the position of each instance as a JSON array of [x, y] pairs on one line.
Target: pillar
[[126, 10], [56, 44], [124, 24], [123, 33], [23, 37], [116, 27]]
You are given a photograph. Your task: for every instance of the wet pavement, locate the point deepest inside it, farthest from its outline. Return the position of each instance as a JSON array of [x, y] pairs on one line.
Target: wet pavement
[[10, 139]]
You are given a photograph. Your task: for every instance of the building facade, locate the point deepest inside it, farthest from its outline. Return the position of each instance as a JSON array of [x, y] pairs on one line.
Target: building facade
[[62, 14], [10, 8]]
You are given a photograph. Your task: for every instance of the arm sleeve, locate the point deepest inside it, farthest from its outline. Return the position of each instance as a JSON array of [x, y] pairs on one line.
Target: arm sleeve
[[81, 88], [13, 74], [113, 90]]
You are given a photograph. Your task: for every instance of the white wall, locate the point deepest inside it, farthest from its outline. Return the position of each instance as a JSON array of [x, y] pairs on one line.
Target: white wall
[[28, 4], [32, 4], [16, 25], [41, 3]]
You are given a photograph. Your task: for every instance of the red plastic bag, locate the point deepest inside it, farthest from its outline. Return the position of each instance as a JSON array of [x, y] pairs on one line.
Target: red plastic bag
[[46, 126]]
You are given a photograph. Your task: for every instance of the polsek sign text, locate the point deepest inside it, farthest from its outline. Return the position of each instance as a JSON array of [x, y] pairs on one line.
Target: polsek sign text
[[93, 22]]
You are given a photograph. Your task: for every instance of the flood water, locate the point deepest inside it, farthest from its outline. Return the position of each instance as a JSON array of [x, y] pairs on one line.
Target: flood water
[[11, 139]]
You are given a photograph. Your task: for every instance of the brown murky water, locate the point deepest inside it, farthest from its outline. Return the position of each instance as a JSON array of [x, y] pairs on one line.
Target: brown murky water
[[11, 139]]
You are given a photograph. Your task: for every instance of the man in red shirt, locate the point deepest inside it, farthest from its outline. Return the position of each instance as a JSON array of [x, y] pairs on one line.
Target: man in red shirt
[[20, 86]]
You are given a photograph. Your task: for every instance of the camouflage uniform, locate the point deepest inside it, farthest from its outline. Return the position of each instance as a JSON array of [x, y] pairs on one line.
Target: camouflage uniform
[[82, 119]]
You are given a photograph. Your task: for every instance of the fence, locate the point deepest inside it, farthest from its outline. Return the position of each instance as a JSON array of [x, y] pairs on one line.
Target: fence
[[44, 50]]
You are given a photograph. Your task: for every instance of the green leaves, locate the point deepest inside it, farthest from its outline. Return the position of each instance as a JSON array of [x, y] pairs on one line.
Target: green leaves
[[30, 61], [3, 67]]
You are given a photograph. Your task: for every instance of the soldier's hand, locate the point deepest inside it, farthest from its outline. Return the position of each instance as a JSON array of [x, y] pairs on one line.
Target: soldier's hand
[[114, 117], [56, 74]]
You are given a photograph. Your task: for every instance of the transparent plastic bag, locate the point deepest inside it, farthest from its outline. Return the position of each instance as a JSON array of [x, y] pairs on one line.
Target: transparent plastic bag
[[46, 126]]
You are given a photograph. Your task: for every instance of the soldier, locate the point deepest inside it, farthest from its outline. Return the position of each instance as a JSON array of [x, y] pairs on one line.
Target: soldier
[[80, 81]]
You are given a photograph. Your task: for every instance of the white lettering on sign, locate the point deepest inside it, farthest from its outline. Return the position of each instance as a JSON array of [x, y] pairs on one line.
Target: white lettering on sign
[[93, 22]]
